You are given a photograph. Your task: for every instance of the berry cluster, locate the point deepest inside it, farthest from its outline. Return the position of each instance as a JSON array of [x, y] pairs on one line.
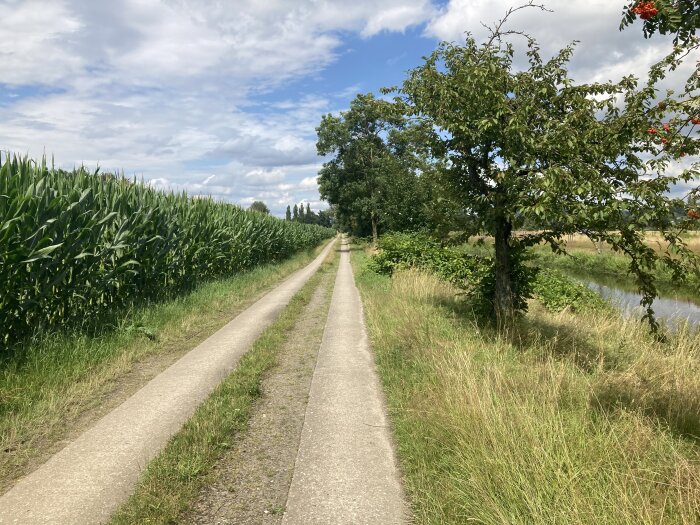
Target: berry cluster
[[693, 214], [669, 138], [645, 10]]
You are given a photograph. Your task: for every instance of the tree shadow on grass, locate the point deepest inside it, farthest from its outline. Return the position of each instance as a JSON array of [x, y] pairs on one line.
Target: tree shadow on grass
[[615, 389]]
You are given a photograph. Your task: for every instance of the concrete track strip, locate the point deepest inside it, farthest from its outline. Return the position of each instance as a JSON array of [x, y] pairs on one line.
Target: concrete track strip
[[345, 471], [87, 480]]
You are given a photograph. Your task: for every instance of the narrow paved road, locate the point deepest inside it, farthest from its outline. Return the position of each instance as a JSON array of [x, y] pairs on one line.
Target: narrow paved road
[[86, 481], [345, 471]]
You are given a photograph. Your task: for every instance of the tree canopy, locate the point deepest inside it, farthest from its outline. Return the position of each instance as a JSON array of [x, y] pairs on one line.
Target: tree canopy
[[371, 176], [590, 158], [473, 143], [260, 207]]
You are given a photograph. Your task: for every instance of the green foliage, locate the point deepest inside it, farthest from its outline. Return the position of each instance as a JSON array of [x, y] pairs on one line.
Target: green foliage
[[74, 245], [680, 18], [530, 146], [556, 291], [474, 274], [260, 207], [371, 178]]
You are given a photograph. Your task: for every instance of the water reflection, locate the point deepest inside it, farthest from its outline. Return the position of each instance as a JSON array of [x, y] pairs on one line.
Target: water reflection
[[671, 310]]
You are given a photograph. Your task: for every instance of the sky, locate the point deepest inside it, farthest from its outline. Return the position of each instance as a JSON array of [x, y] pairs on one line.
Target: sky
[[222, 98]]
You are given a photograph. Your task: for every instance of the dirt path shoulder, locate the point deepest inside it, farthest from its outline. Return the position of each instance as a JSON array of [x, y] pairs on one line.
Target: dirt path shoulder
[[251, 483], [87, 480]]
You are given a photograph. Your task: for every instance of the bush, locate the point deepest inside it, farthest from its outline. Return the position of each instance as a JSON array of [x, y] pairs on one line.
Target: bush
[[556, 291], [475, 274]]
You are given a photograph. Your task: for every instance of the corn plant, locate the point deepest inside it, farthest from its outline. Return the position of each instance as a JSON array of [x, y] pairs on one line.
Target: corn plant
[[75, 245]]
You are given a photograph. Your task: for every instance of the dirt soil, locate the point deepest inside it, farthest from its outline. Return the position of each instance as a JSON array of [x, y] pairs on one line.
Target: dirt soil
[[250, 484]]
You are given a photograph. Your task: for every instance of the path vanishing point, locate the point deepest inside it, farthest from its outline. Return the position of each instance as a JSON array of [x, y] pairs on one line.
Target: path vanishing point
[[345, 471]]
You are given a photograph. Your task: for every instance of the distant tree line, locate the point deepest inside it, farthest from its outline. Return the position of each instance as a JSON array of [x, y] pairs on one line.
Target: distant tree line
[[306, 216]]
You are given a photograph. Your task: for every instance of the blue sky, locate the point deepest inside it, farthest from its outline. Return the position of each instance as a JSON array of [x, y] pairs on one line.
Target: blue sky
[[222, 97]]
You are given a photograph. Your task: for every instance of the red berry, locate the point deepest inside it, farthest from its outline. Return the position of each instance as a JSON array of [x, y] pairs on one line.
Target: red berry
[[693, 214], [664, 141], [695, 120], [667, 127], [645, 10], [651, 131]]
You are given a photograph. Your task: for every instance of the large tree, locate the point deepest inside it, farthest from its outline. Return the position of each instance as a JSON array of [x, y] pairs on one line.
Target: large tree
[[260, 207], [532, 145], [371, 175]]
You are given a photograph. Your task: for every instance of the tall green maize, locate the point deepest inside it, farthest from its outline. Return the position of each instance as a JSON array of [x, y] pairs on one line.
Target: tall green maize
[[76, 245]]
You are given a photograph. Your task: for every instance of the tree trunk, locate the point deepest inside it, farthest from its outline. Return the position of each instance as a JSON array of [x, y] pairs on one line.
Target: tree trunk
[[503, 294], [374, 229]]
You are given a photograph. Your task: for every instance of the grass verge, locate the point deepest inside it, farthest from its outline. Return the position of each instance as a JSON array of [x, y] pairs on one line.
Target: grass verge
[[577, 418], [58, 384], [172, 481]]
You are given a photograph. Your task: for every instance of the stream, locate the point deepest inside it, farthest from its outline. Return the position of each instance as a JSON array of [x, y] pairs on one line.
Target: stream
[[670, 309]]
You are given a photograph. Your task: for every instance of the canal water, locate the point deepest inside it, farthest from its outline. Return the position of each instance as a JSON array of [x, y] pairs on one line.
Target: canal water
[[670, 309]]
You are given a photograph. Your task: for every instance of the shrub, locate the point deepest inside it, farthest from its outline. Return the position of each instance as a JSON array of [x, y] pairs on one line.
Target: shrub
[[475, 274]]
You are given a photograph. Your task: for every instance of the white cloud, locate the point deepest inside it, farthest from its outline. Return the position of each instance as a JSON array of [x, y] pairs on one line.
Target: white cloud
[[263, 177], [603, 52], [308, 182], [159, 88], [36, 41], [163, 89]]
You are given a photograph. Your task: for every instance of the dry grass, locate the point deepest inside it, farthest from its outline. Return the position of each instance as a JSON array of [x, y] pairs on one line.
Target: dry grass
[[573, 419], [654, 239], [581, 243]]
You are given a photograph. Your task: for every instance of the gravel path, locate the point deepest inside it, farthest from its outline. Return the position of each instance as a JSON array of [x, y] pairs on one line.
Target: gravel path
[[90, 477], [251, 482], [345, 471]]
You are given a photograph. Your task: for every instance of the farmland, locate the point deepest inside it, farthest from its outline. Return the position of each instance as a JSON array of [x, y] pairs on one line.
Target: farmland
[[105, 283], [75, 245], [484, 323]]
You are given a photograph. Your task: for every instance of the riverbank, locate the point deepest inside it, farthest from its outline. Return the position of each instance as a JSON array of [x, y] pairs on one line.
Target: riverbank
[[577, 418], [609, 268]]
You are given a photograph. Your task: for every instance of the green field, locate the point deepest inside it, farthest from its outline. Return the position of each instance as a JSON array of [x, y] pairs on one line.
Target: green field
[[76, 246]]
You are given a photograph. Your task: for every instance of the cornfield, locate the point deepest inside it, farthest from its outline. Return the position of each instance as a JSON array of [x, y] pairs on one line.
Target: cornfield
[[76, 245]]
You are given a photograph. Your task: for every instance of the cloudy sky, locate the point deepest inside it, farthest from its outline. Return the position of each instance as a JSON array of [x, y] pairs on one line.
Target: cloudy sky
[[222, 97]]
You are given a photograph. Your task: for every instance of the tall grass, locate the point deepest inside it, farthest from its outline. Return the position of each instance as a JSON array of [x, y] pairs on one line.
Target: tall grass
[[575, 418], [76, 244]]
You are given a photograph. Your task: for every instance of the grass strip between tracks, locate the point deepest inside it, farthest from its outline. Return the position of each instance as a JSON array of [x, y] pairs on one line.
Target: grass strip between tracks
[[172, 481], [59, 384]]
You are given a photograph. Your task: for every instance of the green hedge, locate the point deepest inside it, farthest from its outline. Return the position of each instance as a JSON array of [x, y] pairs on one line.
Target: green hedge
[[474, 273]]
